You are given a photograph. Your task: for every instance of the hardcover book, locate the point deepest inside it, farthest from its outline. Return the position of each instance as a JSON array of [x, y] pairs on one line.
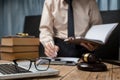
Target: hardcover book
[[19, 48], [97, 34], [12, 41], [19, 55]]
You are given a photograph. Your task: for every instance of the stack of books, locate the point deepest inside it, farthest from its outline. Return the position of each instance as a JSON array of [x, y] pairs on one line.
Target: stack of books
[[19, 47]]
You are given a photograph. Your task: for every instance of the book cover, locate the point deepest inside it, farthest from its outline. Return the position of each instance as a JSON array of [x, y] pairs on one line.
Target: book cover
[[12, 56], [97, 34], [19, 48], [12, 41]]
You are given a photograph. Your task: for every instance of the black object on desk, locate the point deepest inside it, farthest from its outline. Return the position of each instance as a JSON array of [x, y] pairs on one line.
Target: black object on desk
[[91, 63]]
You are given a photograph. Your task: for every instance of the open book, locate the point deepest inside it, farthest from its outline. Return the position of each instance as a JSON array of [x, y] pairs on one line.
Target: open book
[[97, 34]]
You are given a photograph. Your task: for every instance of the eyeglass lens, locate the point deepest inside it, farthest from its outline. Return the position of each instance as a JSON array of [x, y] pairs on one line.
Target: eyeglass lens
[[24, 63], [42, 64]]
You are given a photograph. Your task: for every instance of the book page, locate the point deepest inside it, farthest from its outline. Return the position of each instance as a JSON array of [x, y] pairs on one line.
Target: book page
[[100, 32]]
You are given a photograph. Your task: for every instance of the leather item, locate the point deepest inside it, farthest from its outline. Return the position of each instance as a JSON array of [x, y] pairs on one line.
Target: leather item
[[91, 63], [94, 67]]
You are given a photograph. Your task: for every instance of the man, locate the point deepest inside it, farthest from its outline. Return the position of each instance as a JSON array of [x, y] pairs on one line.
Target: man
[[54, 26]]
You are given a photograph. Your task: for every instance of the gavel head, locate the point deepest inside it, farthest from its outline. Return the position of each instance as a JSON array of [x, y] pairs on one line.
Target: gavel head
[[89, 58], [90, 62]]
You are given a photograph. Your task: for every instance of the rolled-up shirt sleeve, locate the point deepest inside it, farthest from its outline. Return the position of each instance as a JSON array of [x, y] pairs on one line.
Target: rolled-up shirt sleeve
[[94, 13], [46, 25]]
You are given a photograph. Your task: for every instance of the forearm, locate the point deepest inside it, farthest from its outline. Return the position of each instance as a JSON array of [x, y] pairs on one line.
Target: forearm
[[45, 36]]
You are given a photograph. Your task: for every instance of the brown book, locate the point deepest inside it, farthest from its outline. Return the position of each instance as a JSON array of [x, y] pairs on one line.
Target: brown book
[[12, 56], [19, 48], [11, 41]]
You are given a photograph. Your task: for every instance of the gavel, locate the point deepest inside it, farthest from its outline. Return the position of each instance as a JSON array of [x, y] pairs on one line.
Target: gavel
[[90, 58], [90, 62]]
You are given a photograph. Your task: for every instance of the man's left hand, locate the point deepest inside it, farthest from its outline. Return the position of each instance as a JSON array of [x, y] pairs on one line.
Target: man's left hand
[[89, 46]]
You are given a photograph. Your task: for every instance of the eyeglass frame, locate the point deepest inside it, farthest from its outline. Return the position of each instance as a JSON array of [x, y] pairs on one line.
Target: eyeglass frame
[[34, 61]]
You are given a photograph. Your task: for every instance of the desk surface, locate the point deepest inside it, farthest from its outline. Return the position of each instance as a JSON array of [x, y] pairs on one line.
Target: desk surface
[[72, 73]]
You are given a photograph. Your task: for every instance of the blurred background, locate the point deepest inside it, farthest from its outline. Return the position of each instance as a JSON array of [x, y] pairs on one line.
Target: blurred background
[[13, 12]]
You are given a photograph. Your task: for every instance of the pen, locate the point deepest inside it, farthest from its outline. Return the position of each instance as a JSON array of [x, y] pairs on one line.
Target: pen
[[53, 46]]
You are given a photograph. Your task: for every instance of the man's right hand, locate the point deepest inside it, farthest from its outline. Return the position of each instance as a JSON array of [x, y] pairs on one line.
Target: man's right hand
[[51, 50]]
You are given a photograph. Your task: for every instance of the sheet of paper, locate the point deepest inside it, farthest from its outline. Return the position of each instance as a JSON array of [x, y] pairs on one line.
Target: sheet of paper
[[100, 32]]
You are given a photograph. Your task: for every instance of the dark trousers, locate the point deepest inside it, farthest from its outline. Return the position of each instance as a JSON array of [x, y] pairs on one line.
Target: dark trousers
[[69, 50]]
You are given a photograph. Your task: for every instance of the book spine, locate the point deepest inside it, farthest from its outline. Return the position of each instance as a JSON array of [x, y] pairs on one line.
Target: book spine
[[26, 55], [12, 49], [19, 41]]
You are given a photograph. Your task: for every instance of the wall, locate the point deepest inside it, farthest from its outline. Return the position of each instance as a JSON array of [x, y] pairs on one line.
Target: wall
[[1, 16], [109, 4], [13, 12]]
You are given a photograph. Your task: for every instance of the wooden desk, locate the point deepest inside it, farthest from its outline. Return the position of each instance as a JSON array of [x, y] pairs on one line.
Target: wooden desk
[[72, 73]]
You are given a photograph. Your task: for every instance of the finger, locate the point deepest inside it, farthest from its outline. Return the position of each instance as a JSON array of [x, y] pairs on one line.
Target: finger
[[90, 46], [49, 51], [49, 55], [50, 48], [87, 46], [83, 44], [56, 48]]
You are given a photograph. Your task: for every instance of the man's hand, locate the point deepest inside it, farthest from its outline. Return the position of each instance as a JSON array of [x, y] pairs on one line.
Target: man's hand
[[51, 50], [89, 46]]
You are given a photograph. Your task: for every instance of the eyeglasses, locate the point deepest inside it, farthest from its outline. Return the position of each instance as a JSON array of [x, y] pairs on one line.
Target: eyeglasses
[[41, 64]]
